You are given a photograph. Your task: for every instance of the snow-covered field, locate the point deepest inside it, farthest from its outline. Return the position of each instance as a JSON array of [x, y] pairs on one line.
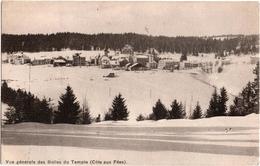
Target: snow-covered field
[[213, 141], [140, 89]]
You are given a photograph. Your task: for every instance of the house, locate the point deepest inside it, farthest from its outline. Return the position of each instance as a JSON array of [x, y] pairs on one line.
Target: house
[[207, 67], [151, 64], [254, 59], [60, 61], [120, 59], [105, 62], [18, 59], [168, 64], [226, 61], [141, 59], [41, 61], [78, 60], [114, 63], [190, 64]]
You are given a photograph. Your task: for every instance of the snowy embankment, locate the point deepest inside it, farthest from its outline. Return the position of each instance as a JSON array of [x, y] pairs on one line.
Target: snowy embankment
[[212, 141]]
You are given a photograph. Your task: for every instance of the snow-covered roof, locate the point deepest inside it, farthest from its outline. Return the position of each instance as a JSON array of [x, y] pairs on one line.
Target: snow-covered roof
[[141, 56], [59, 61]]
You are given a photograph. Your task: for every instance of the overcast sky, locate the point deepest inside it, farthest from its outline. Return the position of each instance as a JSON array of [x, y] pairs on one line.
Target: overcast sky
[[153, 18]]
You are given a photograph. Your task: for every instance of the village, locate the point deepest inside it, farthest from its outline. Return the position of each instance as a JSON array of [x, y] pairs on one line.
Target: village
[[128, 60]]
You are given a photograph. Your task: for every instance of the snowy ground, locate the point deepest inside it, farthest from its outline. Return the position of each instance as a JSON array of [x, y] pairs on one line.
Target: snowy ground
[[141, 89], [214, 141]]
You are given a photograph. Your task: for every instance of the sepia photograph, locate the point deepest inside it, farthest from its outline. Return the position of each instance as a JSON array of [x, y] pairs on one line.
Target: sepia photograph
[[130, 83]]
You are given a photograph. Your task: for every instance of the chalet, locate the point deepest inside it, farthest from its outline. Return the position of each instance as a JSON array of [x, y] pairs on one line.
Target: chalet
[[254, 59], [168, 64], [207, 67], [18, 59], [226, 61], [151, 64], [60, 61], [190, 64], [141, 59], [41, 61], [114, 63], [105, 62], [78, 60]]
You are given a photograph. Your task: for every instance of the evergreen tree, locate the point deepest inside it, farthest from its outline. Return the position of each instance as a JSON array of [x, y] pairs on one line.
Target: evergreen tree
[[183, 111], [11, 116], [19, 106], [44, 114], [68, 108], [177, 111], [159, 111], [119, 109], [8, 95], [108, 115], [247, 101], [4, 92], [255, 86], [223, 98], [85, 113], [197, 112], [213, 105], [236, 109]]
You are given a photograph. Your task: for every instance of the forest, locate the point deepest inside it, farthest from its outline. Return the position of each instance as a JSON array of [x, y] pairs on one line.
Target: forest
[[77, 41]]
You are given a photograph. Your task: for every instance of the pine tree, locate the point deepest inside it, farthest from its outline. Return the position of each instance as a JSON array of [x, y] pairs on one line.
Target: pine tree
[[85, 113], [247, 98], [213, 105], [4, 92], [44, 114], [11, 116], [68, 108], [19, 106], [223, 98], [247, 101], [177, 111], [182, 111], [197, 112], [237, 108], [159, 111], [255, 86], [108, 115], [119, 108], [8, 95]]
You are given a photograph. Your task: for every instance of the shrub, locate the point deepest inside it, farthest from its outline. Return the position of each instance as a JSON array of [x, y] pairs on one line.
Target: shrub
[[140, 118]]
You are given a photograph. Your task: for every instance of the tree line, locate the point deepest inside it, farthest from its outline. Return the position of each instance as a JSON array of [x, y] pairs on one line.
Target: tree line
[[140, 43], [25, 107]]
